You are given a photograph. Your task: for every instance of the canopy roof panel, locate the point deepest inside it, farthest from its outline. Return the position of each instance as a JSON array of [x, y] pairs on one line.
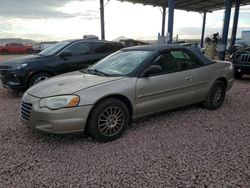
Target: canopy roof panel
[[189, 5]]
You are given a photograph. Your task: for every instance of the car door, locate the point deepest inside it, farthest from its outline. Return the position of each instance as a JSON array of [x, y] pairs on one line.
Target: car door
[[16, 48], [202, 75], [79, 57], [169, 89], [20, 48], [11, 48]]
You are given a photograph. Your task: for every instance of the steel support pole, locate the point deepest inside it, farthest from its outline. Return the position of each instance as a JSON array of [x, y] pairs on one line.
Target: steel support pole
[[228, 6], [235, 23], [102, 19], [163, 21], [203, 29], [170, 20]]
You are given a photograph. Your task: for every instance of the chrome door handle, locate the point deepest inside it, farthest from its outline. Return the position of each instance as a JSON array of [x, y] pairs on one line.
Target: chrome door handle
[[189, 78]]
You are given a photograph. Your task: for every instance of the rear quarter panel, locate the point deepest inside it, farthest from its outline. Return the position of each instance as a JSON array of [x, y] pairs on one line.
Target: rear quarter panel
[[205, 77]]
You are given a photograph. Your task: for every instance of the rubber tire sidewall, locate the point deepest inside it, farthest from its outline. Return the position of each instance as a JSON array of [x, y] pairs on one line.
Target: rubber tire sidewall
[[208, 104], [34, 77], [92, 127]]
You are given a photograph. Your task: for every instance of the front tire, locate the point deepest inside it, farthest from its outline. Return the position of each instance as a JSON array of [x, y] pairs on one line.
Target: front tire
[[37, 78], [108, 120], [215, 96]]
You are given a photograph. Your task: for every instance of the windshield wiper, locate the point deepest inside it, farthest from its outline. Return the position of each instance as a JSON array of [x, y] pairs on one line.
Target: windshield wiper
[[97, 72]]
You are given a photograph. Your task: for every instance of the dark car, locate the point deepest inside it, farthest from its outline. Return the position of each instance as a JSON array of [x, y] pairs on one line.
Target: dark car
[[241, 61], [132, 42], [62, 57]]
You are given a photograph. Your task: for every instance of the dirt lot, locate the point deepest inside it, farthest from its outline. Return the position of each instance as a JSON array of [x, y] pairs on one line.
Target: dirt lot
[[192, 147]]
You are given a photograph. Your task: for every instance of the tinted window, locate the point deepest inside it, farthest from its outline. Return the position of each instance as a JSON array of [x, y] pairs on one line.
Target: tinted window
[[103, 48], [15, 44], [167, 62], [174, 61], [79, 48], [184, 60]]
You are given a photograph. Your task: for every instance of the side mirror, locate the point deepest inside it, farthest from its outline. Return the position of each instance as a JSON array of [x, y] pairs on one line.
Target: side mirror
[[154, 69], [66, 53]]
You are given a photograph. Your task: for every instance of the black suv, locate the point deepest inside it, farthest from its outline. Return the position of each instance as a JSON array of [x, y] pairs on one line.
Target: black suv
[[241, 61], [62, 57]]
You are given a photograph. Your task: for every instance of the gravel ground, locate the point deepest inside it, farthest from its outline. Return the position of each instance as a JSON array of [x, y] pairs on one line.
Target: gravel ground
[[191, 147]]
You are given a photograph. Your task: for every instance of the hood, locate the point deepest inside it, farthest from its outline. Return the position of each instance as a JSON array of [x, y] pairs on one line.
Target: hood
[[68, 84], [20, 60], [223, 62]]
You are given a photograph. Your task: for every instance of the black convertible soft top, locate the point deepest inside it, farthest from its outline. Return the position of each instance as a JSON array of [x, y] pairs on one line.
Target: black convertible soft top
[[163, 47]]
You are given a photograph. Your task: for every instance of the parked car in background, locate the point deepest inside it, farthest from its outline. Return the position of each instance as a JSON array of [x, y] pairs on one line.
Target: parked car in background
[[179, 42], [62, 57], [241, 62], [42, 46], [131, 83], [16, 48], [132, 42]]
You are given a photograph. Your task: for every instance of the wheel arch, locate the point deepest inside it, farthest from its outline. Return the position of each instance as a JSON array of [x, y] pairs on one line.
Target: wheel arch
[[223, 79], [120, 97], [53, 73]]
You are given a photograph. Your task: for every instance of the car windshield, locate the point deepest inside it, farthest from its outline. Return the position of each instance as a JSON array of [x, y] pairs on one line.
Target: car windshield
[[54, 48], [121, 63]]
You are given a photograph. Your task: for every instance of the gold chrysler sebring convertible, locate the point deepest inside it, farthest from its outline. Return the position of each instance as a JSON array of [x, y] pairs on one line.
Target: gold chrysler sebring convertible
[[131, 83]]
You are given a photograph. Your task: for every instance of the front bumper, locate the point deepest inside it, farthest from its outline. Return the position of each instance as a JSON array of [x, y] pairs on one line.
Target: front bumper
[[66, 120], [243, 68], [13, 79]]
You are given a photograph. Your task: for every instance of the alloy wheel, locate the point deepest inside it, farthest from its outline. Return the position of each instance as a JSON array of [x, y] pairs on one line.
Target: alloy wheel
[[111, 121], [40, 79]]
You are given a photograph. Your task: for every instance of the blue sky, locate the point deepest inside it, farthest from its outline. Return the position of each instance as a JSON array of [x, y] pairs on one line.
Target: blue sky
[[66, 19]]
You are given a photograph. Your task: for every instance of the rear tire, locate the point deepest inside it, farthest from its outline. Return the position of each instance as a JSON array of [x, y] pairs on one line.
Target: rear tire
[[39, 78], [108, 120], [29, 51], [215, 96]]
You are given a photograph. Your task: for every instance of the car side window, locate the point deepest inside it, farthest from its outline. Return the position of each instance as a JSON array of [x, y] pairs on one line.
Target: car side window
[[167, 62], [185, 61], [79, 48], [100, 48]]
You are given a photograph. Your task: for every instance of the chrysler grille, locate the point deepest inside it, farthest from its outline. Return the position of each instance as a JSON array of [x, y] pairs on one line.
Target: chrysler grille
[[25, 110]]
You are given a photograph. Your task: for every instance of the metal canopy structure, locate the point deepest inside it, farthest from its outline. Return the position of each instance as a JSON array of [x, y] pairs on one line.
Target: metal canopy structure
[[195, 6], [189, 5]]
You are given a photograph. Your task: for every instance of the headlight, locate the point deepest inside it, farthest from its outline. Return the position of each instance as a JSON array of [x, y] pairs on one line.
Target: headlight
[[58, 102], [19, 66]]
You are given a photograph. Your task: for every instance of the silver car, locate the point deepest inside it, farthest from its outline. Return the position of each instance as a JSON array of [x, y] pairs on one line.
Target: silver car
[[131, 83]]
